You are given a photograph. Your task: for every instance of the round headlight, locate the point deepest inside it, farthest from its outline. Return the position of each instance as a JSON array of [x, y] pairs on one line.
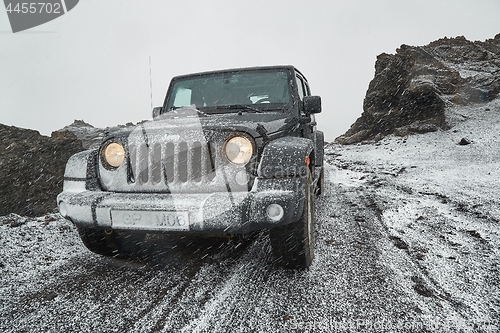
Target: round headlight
[[114, 154], [238, 150]]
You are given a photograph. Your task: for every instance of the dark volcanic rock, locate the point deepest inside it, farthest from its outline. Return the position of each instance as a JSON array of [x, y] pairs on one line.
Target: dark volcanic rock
[[464, 142], [411, 88], [91, 136], [32, 169]]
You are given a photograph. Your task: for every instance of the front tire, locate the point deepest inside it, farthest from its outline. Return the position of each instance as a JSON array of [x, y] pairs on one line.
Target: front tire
[[293, 244], [111, 243]]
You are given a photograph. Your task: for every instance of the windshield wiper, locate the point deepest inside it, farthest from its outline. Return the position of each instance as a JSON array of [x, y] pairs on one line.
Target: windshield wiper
[[238, 106]]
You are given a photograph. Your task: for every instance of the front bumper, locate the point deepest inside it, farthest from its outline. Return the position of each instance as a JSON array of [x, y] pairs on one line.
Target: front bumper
[[214, 213]]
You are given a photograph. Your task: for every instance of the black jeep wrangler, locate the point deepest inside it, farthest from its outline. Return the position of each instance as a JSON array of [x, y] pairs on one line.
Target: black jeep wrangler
[[229, 152]]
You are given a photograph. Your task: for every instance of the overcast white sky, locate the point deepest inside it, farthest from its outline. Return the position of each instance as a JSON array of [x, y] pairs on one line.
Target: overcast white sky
[[93, 62]]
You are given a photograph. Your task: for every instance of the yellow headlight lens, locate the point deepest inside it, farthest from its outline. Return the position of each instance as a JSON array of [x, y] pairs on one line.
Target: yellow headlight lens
[[114, 154], [238, 150]]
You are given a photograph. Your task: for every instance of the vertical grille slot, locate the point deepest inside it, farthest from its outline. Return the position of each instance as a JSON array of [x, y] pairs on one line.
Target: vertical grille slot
[[143, 164], [133, 163], [169, 162], [196, 165], [156, 164], [182, 164]]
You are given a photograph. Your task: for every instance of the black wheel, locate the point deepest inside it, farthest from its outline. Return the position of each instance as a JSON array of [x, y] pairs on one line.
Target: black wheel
[[110, 242], [293, 244]]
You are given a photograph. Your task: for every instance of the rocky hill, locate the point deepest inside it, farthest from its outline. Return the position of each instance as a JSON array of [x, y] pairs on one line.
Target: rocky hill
[[412, 89], [89, 135], [32, 169]]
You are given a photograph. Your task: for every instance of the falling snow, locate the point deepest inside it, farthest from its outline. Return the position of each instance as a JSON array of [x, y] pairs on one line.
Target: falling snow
[[407, 239]]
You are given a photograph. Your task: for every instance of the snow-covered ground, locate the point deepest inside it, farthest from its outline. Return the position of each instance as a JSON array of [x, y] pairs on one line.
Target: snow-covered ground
[[407, 241], [440, 203]]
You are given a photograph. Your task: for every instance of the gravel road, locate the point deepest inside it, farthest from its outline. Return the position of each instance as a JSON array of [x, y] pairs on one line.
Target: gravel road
[[365, 278]]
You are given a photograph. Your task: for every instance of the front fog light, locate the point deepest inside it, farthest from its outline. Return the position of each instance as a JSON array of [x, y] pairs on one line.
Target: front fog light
[[241, 177], [275, 212]]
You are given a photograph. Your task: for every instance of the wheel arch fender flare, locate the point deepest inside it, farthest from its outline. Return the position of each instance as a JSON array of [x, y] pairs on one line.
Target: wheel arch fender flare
[[285, 157], [82, 166]]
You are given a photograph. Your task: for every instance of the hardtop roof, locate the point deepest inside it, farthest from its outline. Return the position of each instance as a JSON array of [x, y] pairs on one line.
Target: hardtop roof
[[242, 69]]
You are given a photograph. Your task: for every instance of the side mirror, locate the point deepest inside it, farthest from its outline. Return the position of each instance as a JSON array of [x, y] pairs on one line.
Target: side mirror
[[312, 104], [157, 111]]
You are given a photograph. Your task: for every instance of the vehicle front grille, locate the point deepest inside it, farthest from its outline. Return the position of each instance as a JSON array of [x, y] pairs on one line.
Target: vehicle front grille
[[172, 163]]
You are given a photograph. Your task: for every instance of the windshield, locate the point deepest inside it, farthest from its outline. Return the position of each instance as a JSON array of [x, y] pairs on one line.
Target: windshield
[[267, 90]]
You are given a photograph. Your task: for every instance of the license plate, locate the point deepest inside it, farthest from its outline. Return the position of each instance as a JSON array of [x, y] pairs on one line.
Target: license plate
[[150, 220]]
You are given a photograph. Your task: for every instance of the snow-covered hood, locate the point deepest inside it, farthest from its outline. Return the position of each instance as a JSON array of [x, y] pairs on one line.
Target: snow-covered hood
[[186, 122], [255, 124]]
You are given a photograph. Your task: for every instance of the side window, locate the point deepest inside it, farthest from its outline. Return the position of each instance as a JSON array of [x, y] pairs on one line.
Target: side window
[[306, 89], [302, 91], [300, 87]]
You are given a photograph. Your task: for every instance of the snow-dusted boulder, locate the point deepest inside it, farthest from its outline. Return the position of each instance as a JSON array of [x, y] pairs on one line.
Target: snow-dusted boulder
[[411, 88], [32, 169]]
